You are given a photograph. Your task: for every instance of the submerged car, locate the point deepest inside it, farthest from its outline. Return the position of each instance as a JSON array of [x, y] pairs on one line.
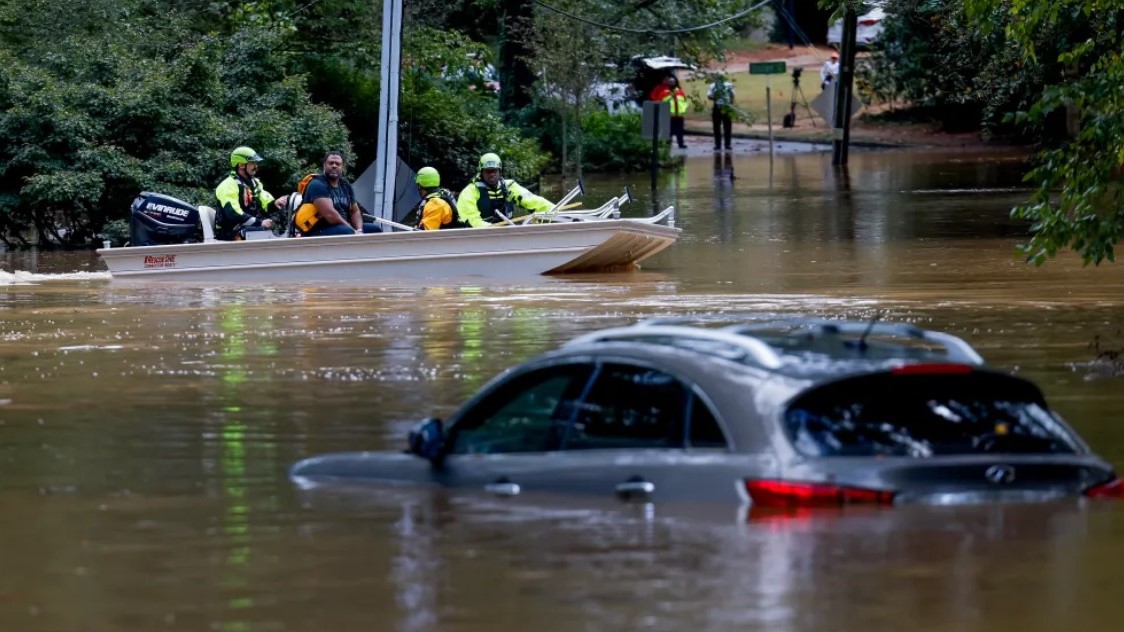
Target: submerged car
[[789, 413], [868, 31]]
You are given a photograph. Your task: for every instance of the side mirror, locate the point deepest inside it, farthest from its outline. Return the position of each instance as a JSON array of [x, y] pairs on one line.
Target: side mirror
[[427, 438]]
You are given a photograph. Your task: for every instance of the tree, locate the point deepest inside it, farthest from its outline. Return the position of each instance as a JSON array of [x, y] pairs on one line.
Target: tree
[[132, 102], [1079, 201]]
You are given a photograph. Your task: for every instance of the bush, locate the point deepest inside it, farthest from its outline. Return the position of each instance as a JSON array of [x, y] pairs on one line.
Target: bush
[[613, 143]]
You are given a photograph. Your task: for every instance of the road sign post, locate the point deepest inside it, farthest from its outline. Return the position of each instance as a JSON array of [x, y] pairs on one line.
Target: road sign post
[[768, 68]]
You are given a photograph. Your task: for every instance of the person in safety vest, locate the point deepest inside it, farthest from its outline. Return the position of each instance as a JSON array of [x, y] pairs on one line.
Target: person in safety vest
[[678, 101], [438, 207], [489, 194], [329, 206], [243, 202]]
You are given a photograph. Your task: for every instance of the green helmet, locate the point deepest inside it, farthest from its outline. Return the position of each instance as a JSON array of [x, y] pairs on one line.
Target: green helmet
[[242, 155], [428, 178], [490, 161]]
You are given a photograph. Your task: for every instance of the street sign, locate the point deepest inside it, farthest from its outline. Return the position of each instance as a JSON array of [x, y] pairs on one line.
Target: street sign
[[655, 123], [767, 68], [824, 105]]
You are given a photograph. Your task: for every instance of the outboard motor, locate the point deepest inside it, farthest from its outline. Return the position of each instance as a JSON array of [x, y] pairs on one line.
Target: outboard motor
[[158, 220]]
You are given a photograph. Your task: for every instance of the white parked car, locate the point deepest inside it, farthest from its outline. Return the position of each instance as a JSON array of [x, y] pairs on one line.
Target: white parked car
[[869, 30]]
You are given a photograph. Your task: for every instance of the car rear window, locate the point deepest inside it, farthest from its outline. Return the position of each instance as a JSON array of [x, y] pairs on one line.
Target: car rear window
[[921, 415]]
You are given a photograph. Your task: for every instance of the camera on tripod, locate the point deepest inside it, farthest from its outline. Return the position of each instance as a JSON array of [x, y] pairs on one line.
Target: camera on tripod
[[796, 75], [789, 119]]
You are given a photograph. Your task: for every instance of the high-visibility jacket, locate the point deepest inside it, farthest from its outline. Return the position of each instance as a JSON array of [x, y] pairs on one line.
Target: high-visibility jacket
[[242, 203], [678, 100], [478, 203]]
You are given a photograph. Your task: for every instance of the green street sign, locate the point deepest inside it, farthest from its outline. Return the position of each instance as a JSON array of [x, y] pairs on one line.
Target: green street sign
[[767, 68]]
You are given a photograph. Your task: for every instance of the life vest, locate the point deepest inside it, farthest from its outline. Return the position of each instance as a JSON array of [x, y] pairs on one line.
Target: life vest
[[306, 216], [678, 100], [492, 200], [448, 198]]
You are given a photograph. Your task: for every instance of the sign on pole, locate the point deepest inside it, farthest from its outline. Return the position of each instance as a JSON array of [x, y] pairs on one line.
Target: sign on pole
[[824, 105], [767, 68], [656, 121]]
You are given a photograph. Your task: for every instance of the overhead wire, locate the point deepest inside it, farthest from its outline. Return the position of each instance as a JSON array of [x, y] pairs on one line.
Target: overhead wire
[[625, 29]]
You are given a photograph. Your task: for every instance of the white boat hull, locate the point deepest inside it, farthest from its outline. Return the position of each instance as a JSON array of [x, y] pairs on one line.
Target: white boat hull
[[497, 252]]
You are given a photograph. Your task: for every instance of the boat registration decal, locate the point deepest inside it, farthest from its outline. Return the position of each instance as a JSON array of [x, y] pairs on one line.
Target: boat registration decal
[[160, 261]]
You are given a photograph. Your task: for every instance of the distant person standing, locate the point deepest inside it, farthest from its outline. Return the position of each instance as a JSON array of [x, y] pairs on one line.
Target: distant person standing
[[829, 71], [721, 93], [678, 101]]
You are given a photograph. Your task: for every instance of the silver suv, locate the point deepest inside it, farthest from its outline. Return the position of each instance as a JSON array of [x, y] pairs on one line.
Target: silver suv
[[788, 413]]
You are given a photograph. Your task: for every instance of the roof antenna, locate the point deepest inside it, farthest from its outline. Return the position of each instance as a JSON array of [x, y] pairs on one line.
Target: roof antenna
[[861, 344]]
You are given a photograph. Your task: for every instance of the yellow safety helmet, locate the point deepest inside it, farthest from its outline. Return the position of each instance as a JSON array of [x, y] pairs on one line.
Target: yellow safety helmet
[[490, 161], [242, 155], [428, 178]]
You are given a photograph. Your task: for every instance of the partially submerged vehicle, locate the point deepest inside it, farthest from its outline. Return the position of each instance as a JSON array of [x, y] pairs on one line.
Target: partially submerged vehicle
[[768, 414]]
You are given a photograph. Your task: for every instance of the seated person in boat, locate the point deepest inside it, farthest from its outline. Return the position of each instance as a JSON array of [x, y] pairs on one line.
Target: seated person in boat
[[329, 206], [482, 201], [243, 203], [438, 207]]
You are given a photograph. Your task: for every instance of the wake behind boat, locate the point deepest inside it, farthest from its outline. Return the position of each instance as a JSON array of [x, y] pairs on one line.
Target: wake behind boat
[[545, 243]]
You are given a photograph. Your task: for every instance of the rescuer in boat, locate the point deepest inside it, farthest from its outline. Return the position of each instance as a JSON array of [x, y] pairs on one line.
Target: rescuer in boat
[[243, 202], [489, 194], [329, 206], [438, 207]]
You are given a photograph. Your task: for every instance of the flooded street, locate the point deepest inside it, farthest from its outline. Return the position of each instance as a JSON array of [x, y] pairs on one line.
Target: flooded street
[[146, 430]]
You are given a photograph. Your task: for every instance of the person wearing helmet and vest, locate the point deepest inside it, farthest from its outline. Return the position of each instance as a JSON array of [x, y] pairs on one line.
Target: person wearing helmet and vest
[[243, 202], [329, 206], [480, 203], [438, 208]]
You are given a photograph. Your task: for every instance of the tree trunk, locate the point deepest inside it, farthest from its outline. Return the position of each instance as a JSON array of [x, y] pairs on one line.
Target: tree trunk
[[515, 73]]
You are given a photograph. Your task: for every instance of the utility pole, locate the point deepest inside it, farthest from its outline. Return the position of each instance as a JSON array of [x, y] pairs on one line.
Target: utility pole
[[844, 88]]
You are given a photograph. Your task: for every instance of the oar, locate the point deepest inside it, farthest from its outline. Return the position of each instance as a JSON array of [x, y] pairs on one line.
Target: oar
[[566, 198], [529, 216], [394, 224]]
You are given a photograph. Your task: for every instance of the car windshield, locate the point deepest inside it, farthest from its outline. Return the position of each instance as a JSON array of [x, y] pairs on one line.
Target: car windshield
[[926, 415]]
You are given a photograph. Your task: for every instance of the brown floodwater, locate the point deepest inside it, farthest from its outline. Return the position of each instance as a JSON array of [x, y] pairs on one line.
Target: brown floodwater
[[146, 429]]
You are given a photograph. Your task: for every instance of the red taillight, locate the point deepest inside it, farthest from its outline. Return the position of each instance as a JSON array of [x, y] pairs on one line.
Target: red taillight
[[1112, 489], [868, 22], [931, 368], [790, 494]]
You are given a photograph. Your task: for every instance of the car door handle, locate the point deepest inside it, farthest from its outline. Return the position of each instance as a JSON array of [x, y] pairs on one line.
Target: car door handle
[[635, 487], [503, 487]]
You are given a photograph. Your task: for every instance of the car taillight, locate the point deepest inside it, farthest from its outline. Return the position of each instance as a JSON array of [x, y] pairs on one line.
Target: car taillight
[[766, 493], [931, 368], [1111, 489]]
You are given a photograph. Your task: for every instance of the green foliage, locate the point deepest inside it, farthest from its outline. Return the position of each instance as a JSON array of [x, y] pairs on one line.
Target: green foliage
[[613, 142], [94, 118], [933, 58], [1078, 203]]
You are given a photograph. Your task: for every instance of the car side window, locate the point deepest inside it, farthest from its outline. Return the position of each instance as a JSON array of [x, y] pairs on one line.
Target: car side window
[[630, 407], [529, 413], [703, 428]]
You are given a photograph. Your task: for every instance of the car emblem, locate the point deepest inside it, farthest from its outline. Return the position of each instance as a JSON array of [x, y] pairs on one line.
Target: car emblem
[[1000, 474]]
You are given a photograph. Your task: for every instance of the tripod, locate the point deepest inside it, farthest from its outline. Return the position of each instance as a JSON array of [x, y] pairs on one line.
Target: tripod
[[790, 118]]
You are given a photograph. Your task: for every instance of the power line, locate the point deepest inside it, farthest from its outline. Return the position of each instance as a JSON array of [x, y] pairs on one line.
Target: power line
[[624, 29]]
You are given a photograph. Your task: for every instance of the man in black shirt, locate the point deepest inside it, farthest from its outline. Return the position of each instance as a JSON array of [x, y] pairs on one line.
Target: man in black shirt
[[331, 196]]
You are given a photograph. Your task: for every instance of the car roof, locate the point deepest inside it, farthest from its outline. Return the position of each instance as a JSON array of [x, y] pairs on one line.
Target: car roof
[[802, 348]]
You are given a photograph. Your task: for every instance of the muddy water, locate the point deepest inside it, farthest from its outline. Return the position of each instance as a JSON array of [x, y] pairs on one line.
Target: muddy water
[[145, 431]]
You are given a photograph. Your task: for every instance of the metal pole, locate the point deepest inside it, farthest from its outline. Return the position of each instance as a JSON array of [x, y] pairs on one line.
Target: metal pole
[[386, 155], [769, 109], [655, 146], [841, 125]]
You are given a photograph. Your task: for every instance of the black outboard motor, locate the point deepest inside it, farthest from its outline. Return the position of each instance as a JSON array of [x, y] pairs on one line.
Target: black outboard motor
[[158, 220]]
